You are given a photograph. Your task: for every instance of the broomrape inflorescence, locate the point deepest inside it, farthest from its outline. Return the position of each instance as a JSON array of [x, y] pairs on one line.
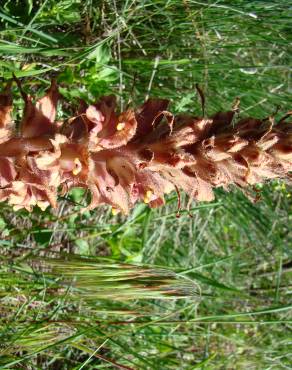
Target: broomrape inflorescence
[[136, 155]]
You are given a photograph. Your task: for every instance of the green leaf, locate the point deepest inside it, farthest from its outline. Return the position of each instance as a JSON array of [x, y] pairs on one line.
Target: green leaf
[[42, 236], [83, 247], [101, 54]]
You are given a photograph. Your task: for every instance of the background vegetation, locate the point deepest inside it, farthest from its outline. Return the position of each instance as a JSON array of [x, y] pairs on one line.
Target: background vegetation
[[150, 291]]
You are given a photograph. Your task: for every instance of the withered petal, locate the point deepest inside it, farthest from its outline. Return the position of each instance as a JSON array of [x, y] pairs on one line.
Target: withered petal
[[7, 171], [148, 113], [38, 119], [5, 114]]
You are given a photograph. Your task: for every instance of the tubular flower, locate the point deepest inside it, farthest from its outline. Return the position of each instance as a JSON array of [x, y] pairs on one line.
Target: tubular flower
[[131, 156]]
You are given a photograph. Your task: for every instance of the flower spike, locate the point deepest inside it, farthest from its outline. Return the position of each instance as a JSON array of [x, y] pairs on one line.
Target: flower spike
[[134, 156]]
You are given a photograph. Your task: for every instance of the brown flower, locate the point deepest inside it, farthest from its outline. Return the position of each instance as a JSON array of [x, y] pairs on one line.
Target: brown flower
[[132, 156]]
